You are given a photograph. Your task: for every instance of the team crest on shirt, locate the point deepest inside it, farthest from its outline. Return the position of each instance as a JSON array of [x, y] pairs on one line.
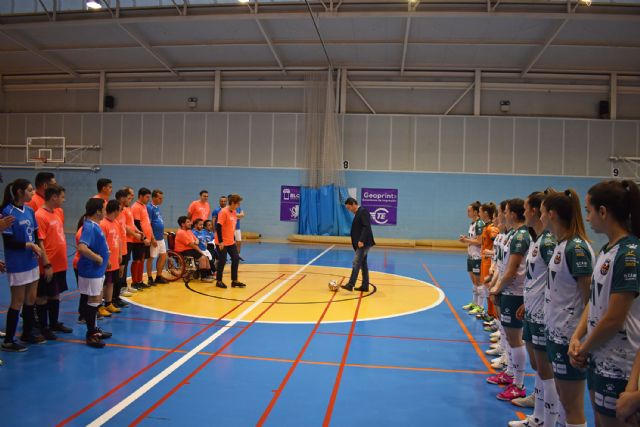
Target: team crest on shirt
[[535, 252], [605, 267], [557, 259], [610, 387]]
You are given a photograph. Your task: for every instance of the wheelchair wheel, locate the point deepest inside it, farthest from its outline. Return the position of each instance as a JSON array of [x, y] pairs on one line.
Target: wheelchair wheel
[[175, 267]]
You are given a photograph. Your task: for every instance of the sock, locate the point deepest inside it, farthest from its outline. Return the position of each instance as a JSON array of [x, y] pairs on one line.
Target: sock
[[117, 286], [134, 271], [482, 296], [509, 371], [28, 320], [42, 310], [519, 358], [561, 415], [82, 305], [53, 306], [476, 298], [538, 408], [12, 325], [204, 273], [551, 402], [91, 312]]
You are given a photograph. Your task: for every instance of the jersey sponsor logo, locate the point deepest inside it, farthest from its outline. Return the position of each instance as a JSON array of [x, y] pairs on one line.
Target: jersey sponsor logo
[[605, 267], [557, 259]]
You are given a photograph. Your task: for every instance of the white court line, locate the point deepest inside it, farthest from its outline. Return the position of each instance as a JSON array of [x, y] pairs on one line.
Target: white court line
[[123, 404]]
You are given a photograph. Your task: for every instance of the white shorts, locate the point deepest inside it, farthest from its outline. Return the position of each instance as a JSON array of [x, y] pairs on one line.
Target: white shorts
[[91, 287], [24, 277], [238, 235], [160, 249]]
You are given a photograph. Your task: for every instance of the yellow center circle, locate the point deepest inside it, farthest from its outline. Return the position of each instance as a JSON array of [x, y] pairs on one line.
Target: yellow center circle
[[288, 293]]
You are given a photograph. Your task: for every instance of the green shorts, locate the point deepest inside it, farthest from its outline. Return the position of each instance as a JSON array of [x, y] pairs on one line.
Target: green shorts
[[473, 265], [535, 334], [509, 305], [562, 369], [605, 392]]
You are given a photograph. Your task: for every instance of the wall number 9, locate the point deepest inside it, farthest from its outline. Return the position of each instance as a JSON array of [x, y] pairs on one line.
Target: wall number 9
[[615, 172]]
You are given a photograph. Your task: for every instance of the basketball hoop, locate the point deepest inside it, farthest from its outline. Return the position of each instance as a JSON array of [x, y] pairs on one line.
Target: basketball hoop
[[38, 162]]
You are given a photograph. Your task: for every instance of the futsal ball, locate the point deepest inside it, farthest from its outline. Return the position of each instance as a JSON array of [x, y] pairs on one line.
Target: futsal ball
[[333, 285]]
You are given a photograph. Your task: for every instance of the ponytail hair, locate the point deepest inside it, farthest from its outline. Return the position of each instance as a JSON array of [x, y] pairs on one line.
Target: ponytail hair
[[475, 206], [517, 206], [535, 200], [503, 205], [622, 200], [566, 205], [489, 208], [12, 189]]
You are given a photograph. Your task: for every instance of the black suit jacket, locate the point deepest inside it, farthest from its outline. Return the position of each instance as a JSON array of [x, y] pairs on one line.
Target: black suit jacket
[[361, 228]]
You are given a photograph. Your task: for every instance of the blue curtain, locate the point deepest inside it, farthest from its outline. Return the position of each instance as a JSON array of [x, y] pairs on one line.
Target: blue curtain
[[322, 211]]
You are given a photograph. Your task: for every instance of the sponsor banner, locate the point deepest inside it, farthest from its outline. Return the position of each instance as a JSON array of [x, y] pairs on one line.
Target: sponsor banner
[[382, 203], [289, 202]]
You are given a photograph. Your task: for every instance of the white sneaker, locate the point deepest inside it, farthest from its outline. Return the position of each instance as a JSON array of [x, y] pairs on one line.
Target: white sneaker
[[125, 293], [494, 351], [495, 334], [499, 362], [2, 334], [527, 422], [132, 290], [494, 345], [525, 402]]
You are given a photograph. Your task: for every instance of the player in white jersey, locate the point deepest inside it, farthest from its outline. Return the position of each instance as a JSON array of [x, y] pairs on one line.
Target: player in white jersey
[[510, 287], [22, 250], [532, 311], [473, 241], [608, 336], [566, 295]]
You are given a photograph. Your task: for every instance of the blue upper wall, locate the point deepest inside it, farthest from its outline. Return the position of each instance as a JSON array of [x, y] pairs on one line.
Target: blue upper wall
[[431, 205]]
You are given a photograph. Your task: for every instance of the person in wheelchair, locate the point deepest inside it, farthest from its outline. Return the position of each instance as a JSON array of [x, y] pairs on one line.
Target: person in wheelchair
[[210, 238], [186, 244]]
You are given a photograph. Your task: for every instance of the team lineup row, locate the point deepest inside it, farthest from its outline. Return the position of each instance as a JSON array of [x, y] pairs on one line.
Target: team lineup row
[[542, 291], [109, 234]]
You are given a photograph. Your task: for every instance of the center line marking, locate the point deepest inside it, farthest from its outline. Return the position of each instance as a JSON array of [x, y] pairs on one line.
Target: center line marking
[[123, 404]]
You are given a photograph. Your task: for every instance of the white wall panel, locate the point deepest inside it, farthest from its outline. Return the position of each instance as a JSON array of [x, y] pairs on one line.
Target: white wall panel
[[152, 143], [217, 139], [261, 139], [173, 147], [131, 138], [284, 140], [354, 140], [91, 135], [476, 145], [239, 136], [378, 142], [194, 139], [502, 139], [551, 136], [575, 147], [402, 142], [111, 138], [526, 156], [600, 147]]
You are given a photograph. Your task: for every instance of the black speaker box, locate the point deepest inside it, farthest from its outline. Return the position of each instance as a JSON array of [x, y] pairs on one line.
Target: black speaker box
[[109, 102], [603, 109]]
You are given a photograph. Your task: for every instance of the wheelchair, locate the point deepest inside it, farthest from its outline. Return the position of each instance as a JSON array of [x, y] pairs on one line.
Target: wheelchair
[[177, 266]]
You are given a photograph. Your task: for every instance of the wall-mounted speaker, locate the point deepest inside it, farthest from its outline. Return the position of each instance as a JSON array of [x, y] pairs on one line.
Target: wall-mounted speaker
[[603, 109], [109, 102]]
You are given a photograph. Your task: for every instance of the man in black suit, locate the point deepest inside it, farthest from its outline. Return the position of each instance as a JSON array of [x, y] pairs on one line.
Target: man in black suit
[[362, 241]]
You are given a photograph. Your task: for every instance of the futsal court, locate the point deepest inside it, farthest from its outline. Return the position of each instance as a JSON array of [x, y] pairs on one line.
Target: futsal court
[[285, 351]]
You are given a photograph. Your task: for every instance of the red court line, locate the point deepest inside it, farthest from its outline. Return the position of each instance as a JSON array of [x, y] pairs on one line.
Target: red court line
[[336, 385], [474, 343], [285, 380], [393, 337], [160, 359], [186, 380]]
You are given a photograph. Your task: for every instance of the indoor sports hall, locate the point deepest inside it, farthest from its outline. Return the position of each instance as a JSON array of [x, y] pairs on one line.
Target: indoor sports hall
[[414, 108]]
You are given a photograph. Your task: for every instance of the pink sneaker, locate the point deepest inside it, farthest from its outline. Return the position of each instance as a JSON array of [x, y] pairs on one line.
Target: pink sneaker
[[501, 379], [512, 392]]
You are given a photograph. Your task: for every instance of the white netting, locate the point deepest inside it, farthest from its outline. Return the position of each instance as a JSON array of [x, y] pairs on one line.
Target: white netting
[[324, 145]]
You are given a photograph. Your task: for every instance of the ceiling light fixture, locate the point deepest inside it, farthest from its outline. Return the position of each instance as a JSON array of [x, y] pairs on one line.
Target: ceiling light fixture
[[94, 5], [243, 1], [586, 2]]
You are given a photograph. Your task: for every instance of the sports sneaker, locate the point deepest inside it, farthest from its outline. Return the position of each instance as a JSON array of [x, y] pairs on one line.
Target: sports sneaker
[[151, 282], [93, 340], [221, 285], [132, 290], [102, 311], [494, 351], [501, 379], [112, 308], [13, 347], [125, 293], [238, 285], [161, 280], [120, 304], [530, 421], [475, 310], [490, 329], [494, 339], [33, 339], [512, 392], [469, 306], [81, 320], [48, 335], [486, 318], [499, 362], [525, 402], [208, 279], [495, 334], [60, 327], [2, 334], [492, 322], [103, 334]]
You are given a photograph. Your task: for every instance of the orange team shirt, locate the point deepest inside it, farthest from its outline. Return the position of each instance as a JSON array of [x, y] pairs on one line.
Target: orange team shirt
[[51, 232], [488, 236], [100, 196], [76, 258], [111, 230], [197, 209], [37, 201], [228, 219], [121, 219], [141, 214], [128, 220], [183, 239]]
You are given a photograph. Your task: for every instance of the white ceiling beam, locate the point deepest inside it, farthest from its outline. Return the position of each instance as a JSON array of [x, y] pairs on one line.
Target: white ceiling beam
[[457, 101], [405, 44], [270, 44], [143, 43], [543, 48], [45, 10], [362, 98], [57, 63]]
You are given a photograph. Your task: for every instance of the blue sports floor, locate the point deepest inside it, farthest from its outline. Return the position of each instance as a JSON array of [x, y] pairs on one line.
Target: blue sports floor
[[426, 368]]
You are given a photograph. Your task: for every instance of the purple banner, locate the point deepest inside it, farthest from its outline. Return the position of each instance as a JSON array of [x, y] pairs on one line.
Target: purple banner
[[382, 203], [289, 202]]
